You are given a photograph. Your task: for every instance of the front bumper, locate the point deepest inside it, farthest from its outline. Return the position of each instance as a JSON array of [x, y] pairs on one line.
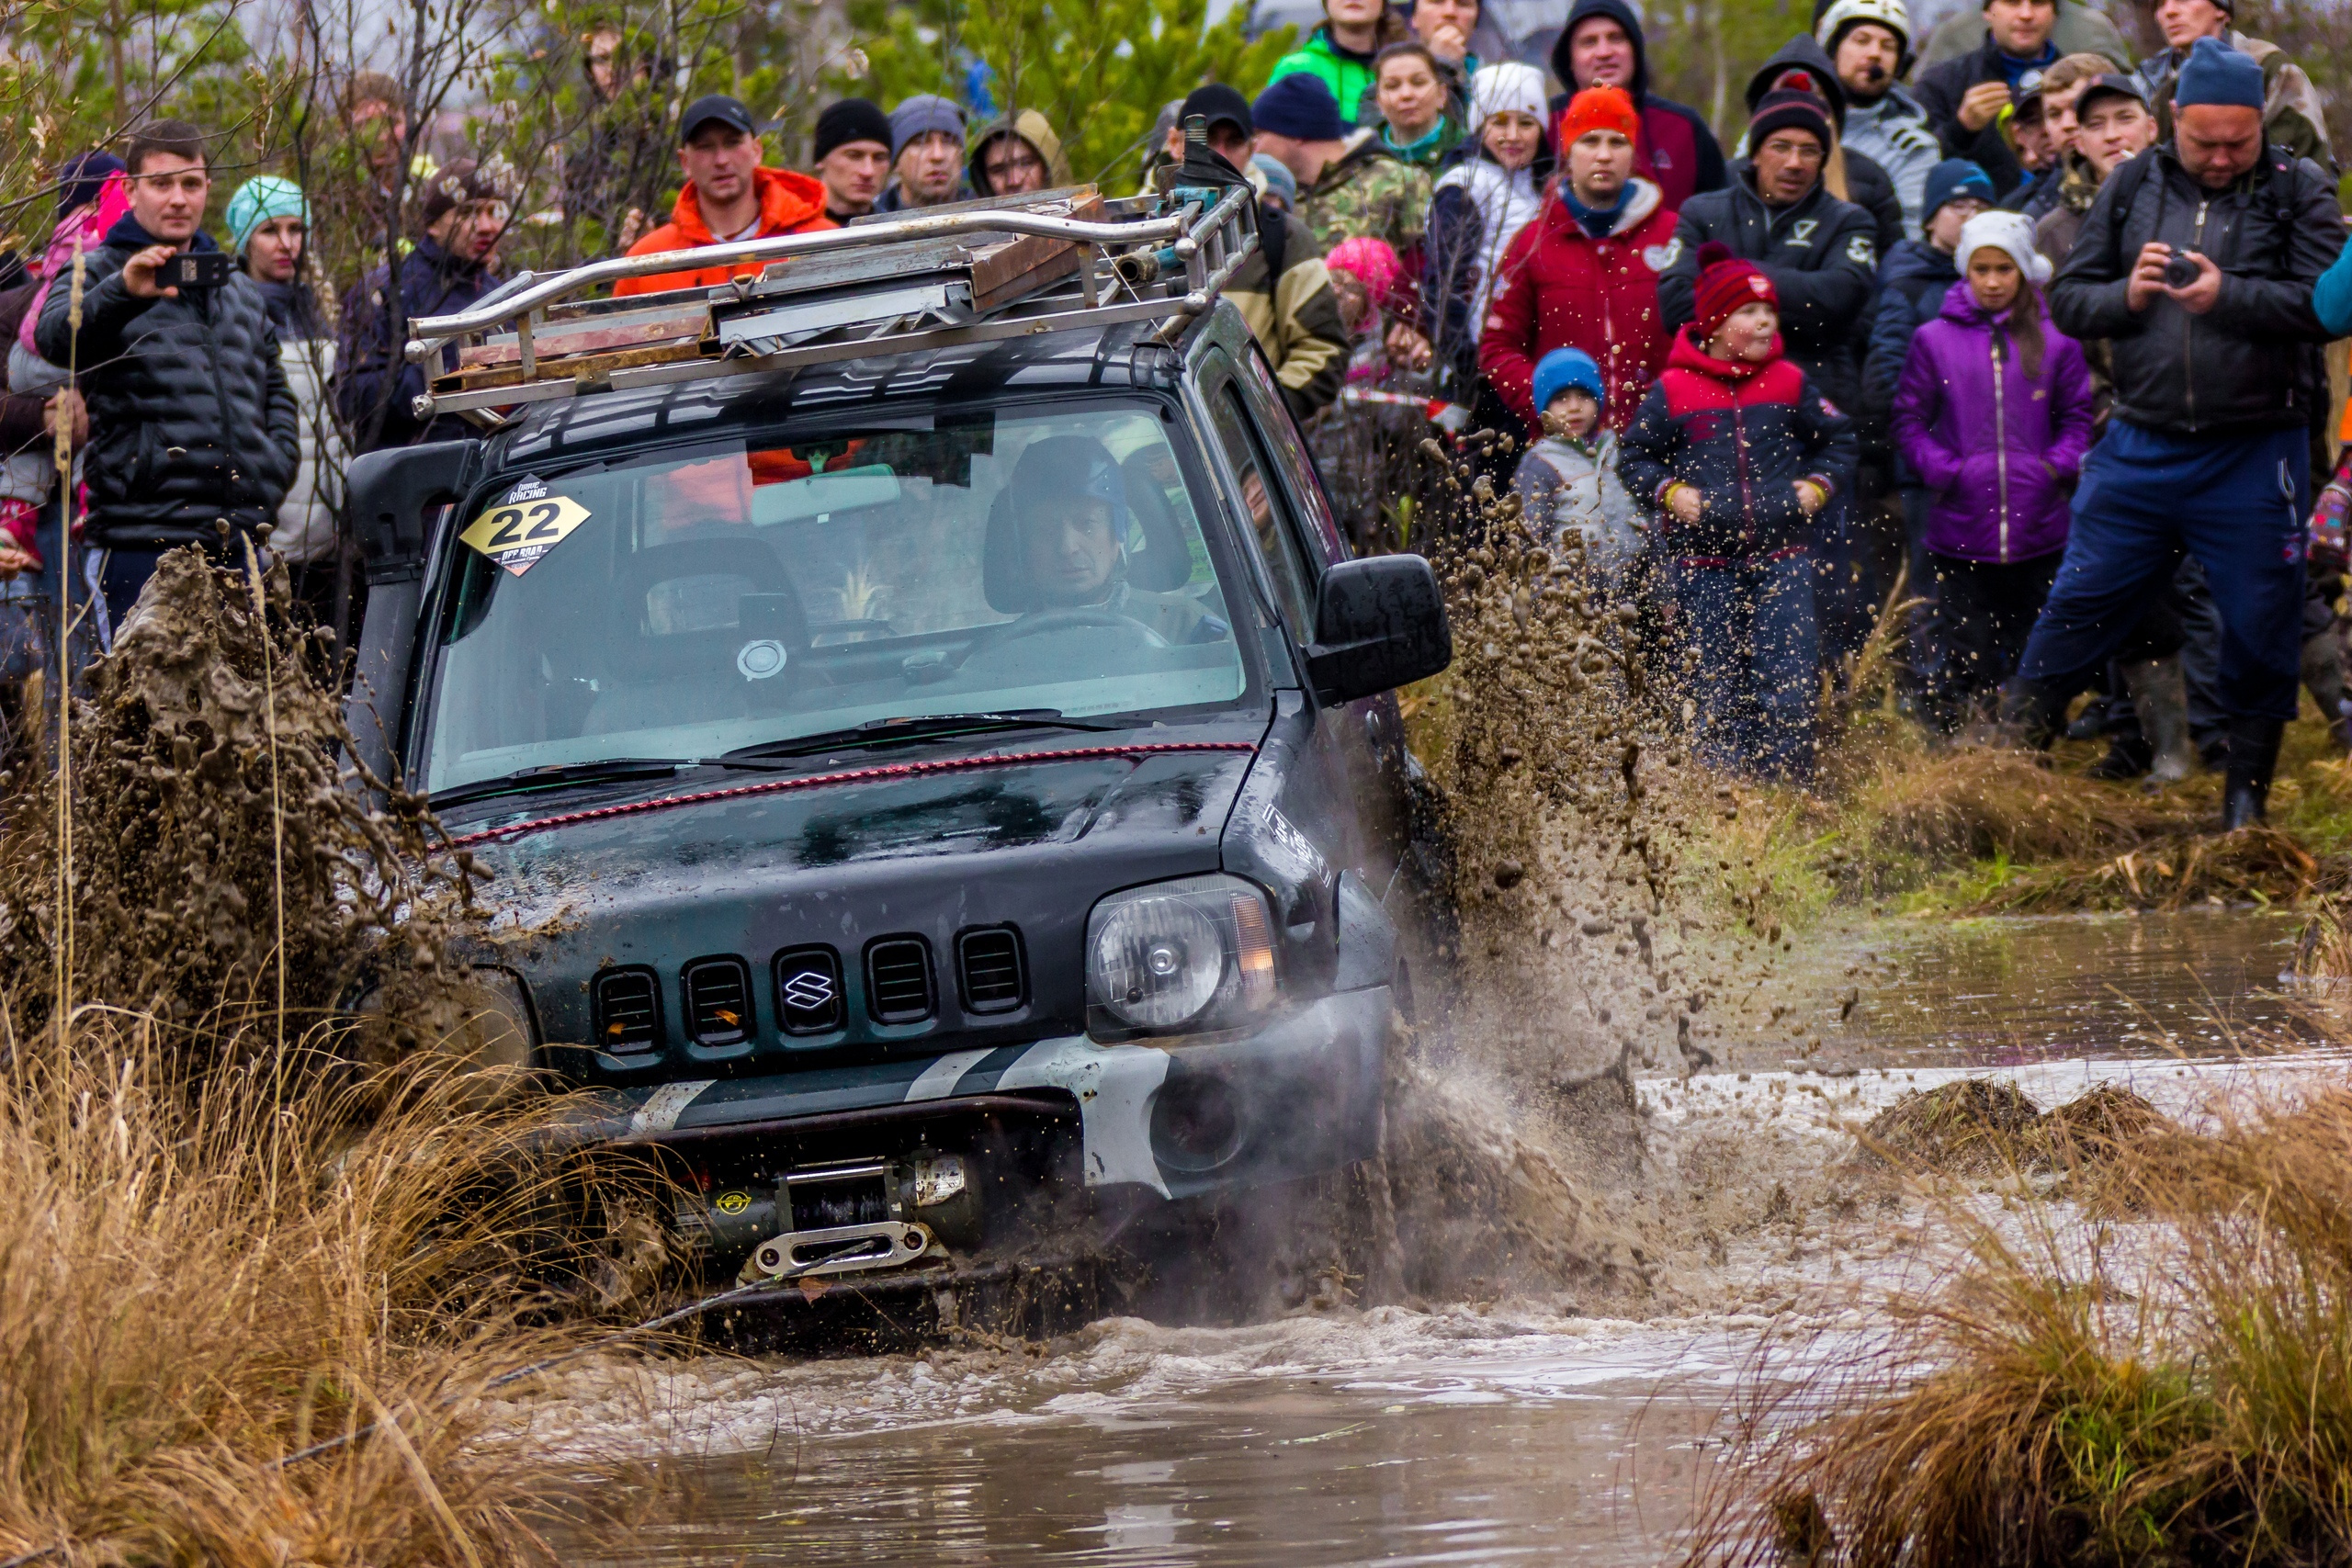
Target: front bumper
[[1298, 1097]]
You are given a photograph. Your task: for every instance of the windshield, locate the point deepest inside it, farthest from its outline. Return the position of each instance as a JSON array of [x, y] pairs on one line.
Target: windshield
[[1020, 559]]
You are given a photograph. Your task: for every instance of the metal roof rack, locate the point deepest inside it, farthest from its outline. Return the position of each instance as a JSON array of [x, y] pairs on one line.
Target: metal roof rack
[[973, 272]]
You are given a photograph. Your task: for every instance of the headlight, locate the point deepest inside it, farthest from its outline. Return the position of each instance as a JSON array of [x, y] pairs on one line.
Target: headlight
[[1195, 954]]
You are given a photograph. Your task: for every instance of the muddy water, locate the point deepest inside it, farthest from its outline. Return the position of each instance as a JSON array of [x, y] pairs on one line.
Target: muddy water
[[1470, 1433]]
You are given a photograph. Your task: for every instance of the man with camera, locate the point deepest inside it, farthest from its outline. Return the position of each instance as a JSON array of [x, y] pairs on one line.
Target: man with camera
[[2197, 263], [193, 430]]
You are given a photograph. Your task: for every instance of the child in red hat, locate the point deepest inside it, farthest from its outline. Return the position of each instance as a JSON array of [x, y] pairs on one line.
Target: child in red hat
[[1736, 449]]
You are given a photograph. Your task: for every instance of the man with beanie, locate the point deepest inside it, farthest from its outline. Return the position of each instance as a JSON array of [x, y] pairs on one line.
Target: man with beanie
[[1350, 185], [1802, 65], [1584, 273], [2291, 115], [927, 152], [1964, 98], [851, 157], [1283, 290], [192, 428], [729, 194], [1869, 44], [1601, 46], [2216, 380]]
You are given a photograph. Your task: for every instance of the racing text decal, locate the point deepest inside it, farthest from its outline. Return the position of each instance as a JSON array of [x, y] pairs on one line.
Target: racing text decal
[[525, 526]]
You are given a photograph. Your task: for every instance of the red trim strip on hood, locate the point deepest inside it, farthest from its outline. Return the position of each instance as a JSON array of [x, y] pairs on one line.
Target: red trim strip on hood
[[855, 775]]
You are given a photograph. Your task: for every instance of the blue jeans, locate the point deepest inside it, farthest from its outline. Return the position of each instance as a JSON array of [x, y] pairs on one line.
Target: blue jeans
[[2238, 505], [1754, 678]]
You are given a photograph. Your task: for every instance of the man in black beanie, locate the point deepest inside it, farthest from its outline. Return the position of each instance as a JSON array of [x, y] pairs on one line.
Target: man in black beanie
[[852, 157]]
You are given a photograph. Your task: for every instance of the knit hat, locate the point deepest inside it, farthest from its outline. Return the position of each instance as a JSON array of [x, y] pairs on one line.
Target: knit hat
[[2010, 231], [1274, 178], [852, 120], [1508, 88], [1598, 108], [1374, 265], [1950, 180], [1563, 368], [2216, 74], [1790, 108], [461, 182], [919, 116], [1299, 105], [80, 177], [1726, 282], [257, 201]]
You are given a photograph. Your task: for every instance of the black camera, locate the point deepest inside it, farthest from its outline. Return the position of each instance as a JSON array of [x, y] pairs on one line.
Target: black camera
[[195, 269], [2181, 270]]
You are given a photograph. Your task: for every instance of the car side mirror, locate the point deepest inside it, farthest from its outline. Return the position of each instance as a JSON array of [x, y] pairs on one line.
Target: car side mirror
[[1379, 623], [391, 493]]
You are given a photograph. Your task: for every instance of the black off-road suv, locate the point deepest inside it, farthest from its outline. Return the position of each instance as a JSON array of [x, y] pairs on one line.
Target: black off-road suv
[[922, 692]]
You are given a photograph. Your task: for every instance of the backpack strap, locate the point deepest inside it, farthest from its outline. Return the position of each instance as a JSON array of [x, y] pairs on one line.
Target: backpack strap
[[1273, 240]]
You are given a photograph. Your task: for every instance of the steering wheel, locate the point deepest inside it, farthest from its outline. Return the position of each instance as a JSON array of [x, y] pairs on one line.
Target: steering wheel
[[1045, 622]]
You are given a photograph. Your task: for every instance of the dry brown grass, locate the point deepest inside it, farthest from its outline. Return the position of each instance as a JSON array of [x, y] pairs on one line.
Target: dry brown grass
[[1977, 802], [2055, 1404]]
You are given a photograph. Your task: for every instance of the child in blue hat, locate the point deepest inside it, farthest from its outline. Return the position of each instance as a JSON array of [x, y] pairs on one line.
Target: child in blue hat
[[1568, 479]]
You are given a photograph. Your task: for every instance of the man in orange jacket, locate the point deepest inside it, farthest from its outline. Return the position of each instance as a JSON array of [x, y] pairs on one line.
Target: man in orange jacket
[[728, 195]]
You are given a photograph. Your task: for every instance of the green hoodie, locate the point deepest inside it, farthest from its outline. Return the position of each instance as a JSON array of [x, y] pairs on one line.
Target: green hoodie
[[1347, 73]]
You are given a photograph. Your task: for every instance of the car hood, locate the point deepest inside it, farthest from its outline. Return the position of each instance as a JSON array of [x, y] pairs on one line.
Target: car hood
[[928, 843]]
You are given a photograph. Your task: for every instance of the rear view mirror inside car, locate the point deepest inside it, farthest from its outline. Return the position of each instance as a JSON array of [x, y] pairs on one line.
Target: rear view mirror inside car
[[796, 501]]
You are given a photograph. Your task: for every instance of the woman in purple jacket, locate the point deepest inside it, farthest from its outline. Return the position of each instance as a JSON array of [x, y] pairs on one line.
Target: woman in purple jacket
[[1994, 412]]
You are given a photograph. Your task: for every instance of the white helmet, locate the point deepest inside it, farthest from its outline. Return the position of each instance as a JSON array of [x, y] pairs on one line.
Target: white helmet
[[1888, 14]]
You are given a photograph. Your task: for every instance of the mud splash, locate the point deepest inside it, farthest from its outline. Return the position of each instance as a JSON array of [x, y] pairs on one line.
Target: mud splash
[[221, 868]]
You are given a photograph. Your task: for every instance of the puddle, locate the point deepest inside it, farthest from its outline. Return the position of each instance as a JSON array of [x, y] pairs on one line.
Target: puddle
[[1520, 1432]]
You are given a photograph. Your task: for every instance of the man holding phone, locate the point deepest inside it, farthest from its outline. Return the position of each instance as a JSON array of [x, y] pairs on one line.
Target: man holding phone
[[193, 429], [2197, 263]]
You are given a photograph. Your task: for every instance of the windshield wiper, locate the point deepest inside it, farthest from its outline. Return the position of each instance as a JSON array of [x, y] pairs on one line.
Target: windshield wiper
[[608, 770], [883, 732]]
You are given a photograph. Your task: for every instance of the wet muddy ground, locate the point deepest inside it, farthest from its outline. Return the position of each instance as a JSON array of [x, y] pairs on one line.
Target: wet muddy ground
[[1536, 1428]]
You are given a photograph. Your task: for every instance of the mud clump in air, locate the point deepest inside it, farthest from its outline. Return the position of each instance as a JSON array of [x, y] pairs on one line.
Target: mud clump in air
[[219, 863]]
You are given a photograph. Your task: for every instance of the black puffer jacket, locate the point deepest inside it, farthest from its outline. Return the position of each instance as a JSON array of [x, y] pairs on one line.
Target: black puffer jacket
[[1821, 255], [191, 422], [1868, 185], [2251, 362], [1940, 90]]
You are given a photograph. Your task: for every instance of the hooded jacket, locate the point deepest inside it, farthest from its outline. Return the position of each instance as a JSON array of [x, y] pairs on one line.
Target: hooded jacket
[[1677, 152], [1864, 183], [1295, 316], [375, 384], [1821, 254], [2247, 364], [1348, 75], [1559, 287], [790, 203], [1032, 128], [1742, 433], [191, 422], [1996, 452], [1911, 290]]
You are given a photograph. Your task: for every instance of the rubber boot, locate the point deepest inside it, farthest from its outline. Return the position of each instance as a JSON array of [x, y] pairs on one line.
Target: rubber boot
[[2160, 696], [2034, 712], [2254, 756]]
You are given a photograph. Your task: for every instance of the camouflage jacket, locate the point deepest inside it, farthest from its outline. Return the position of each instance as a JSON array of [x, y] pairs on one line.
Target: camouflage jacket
[[2292, 113], [1367, 191]]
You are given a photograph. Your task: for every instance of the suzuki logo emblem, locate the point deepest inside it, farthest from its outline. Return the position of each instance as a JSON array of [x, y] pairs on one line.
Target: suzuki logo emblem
[[809, 990]]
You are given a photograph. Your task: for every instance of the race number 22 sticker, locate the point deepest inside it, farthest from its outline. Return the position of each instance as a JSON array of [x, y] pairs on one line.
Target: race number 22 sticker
[[525, 526]]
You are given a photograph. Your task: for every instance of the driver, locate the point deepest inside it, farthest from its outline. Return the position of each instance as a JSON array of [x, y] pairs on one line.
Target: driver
[[1070, 502]]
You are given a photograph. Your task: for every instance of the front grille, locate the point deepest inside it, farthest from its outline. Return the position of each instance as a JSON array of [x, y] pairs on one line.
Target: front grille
[[990, 970], [898, 980], [717, 994], [627, 1009], [809, 990]]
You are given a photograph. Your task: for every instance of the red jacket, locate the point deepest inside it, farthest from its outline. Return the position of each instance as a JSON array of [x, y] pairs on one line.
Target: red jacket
[[790, 203], [1559, 287]]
